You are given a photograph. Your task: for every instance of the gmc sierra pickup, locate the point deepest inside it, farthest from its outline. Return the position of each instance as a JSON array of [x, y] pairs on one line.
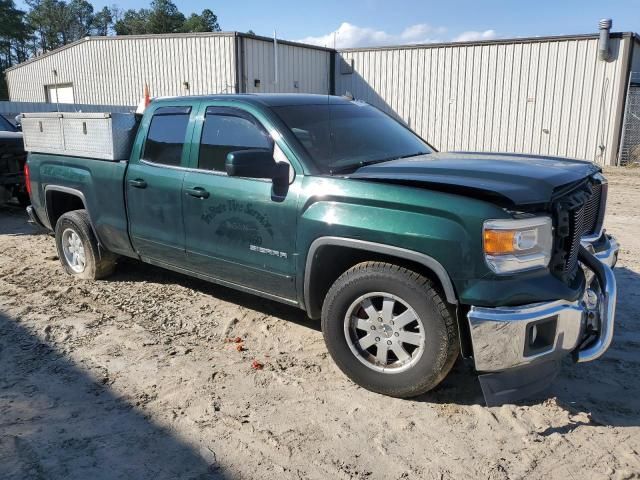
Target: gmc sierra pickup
[[408, 256]]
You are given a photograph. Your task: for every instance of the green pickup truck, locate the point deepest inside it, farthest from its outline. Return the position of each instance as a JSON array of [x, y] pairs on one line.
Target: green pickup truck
[[410, 257]]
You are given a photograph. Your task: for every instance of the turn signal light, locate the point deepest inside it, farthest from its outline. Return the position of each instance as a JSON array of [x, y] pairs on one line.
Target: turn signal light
[[497, 242]]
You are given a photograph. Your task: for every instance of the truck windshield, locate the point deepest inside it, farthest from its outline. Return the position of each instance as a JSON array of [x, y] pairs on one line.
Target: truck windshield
[[344, 137], [5, 125]]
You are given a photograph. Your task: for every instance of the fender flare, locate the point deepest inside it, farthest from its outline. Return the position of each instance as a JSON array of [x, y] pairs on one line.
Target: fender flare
[[70, 191], [417, 257]]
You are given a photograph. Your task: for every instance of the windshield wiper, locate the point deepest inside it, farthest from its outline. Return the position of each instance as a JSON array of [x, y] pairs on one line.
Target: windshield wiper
[[353, 166], [346, 168], [412, 155]]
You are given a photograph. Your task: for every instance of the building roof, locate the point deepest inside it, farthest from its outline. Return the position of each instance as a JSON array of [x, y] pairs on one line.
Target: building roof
[[498, 41]]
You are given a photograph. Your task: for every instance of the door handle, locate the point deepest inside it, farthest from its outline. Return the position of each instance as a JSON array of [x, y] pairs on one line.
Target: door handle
[[138, 183], [197, 192]]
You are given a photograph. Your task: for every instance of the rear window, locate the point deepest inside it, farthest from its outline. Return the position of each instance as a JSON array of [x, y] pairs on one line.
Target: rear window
[[166, 136]]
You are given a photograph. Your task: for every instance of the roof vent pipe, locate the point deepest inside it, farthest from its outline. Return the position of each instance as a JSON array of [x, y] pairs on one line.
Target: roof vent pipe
[[604, 50]]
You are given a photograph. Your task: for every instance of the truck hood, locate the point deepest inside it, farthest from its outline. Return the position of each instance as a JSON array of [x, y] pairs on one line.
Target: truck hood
[[514, 178]]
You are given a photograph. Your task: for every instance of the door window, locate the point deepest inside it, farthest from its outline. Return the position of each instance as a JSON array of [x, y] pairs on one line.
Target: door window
[[166, 135], [227, 130]]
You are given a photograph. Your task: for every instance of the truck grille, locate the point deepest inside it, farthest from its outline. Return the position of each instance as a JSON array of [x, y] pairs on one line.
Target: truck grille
[[576, 227], [592, 218], [579, 215]]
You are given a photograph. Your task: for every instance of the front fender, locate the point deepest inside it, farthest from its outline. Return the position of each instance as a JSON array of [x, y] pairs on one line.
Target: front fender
[[439, 226]]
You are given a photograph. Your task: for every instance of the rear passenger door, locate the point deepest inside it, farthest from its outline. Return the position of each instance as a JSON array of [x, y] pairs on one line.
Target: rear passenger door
[[236, 229], [153, 184]]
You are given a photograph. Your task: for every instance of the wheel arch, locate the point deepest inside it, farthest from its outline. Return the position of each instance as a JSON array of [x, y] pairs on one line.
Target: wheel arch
[[317, 281], [60, 200]]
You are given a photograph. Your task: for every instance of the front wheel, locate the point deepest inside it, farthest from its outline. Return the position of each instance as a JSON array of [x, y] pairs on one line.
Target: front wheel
[[389, 330], [78, 249]]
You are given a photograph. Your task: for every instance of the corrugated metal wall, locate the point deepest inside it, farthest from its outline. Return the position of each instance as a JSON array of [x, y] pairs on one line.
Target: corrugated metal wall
[[300, 69], [114, 70], [551, 97]]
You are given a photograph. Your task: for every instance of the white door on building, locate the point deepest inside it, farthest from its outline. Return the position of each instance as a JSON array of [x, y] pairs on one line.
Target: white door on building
[[60, 93]]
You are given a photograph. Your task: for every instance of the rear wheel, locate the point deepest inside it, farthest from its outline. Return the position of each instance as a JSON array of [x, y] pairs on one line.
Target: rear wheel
[[389, 330], [78, 249]]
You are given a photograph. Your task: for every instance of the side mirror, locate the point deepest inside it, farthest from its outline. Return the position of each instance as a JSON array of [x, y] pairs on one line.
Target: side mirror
[[256, 163]]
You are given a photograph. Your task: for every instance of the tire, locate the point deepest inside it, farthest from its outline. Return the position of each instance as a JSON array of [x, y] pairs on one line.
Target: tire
[[431, 341], [75, 226]]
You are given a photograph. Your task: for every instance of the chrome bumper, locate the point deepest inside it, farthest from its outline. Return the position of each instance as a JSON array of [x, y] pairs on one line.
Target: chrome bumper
[[508, 337]]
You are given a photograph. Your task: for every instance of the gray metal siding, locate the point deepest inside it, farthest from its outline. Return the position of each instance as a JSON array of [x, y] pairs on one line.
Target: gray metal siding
[[309, 67], [635, 62], [549, 97], [114, 70]]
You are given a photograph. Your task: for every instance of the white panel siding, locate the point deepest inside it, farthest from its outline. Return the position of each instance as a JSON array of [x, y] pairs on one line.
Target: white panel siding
[[549, 97], [114, 70], [309, 67]]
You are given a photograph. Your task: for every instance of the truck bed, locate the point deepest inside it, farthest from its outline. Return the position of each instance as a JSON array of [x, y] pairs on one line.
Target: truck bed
[[101, 186]]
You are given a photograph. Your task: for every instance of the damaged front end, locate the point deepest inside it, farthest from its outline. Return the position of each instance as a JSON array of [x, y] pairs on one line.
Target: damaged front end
[[517, 349]]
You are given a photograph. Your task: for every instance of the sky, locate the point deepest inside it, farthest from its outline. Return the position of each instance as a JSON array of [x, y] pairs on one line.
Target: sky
[[378, 22]]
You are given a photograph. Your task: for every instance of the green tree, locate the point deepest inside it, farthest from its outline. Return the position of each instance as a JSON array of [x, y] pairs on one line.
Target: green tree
[[207, 21], [79, 20], [103, 22], [133, 22], [164, 17], [47, 18], [56, 22], [14, 39]]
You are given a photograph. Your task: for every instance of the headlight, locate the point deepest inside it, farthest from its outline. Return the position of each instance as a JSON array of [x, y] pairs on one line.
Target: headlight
[[517, 245]]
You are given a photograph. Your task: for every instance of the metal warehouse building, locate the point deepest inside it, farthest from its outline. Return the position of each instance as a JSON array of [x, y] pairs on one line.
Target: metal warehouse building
[[575, 96], [549, 96], [114, 70]]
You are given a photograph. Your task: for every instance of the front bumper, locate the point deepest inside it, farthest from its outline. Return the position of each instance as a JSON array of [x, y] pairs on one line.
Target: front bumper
[[504, 338]]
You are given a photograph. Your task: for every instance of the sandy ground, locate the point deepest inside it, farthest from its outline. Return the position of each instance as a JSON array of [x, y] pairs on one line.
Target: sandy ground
[[132, 378]]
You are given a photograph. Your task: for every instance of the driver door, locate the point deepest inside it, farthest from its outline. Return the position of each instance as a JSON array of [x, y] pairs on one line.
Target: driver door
[[236, 229]]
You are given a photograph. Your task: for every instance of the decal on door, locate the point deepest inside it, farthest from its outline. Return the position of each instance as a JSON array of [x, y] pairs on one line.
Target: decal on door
[[238, 222], [267, 251]]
